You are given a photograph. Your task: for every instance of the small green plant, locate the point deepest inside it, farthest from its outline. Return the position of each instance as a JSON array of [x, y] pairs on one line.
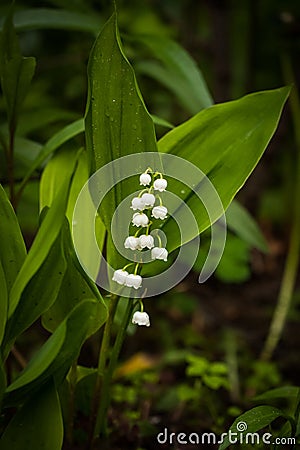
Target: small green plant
[[284, 431]]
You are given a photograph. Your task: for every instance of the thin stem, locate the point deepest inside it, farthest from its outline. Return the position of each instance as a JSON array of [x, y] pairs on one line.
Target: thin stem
[[146, 190], [71, 412], [141, 305], [127, 265], [100, 393], [292, 260], [102, 412], [19, 357], [159, 199]]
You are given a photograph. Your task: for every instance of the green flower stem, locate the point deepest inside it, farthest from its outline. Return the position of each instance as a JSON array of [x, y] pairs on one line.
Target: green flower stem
[[292, 261], [146, 190], [100, 392], [100, 426], [127, 265], [141, 305], [71, 412]]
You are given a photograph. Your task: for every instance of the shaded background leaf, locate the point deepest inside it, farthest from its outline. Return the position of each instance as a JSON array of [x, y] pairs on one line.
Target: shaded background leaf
[[12, 250], [76, 286], [16, 72], [56, 355], [176, 70], [38, 424], [256, 419]]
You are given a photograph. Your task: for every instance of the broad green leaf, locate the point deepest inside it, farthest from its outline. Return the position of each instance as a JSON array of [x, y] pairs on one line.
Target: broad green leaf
[[12, 247], [161, 122], [42, 244], [52, 178], [38, 424], [25, 151], [241, 222], [56, 141], [76, 286], [16, 71], [117, 122], [60, 166], [85, 391], [88, 252], [282, 392], [177, 71], [225, 142], [37, 18], [233, 267], [56, 355], [40, 292], [255, 420], [41, 118], [28, 212]]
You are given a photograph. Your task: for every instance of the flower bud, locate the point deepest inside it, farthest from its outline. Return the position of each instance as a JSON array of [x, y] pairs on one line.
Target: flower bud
[[159, 212], [159, 253], [148, 199], [140, 220], [137, 203], [146, 241], [145, 179], [120, 276], [141, 318], [131, 242], [160, 184], [134, 281]]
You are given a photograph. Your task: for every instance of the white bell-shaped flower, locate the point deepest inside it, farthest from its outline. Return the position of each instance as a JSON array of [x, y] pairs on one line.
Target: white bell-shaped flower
[[159, 253], [132, 242], [145, 179], [160, 184], [134, 281], [137, 203], [148, 199], [140, 220], [141, 318], [146, 241], [159, 212], [120, 276]]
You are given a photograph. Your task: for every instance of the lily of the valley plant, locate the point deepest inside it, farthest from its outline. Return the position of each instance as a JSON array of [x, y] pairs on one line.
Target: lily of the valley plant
[[47, 284]]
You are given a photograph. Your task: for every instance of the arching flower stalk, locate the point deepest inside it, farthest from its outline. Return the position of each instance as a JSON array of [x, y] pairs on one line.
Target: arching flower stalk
[[147, 204]]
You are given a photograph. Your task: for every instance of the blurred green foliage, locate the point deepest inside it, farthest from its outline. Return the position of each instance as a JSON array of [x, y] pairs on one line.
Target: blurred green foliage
[[239, 46]]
